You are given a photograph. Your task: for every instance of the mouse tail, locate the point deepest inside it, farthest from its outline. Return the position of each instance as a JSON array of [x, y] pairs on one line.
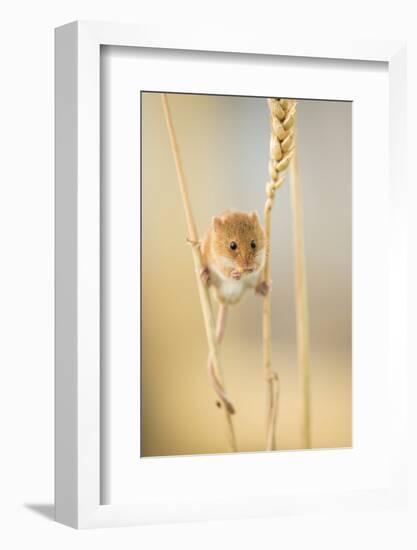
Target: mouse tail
[[217, 385]]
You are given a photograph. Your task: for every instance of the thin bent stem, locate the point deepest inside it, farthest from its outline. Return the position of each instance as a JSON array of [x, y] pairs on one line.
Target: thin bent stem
[[272, 379], [202, 288]]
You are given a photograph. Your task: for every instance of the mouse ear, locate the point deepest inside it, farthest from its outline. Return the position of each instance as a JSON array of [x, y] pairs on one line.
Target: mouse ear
[[254, 216], [216, 222]]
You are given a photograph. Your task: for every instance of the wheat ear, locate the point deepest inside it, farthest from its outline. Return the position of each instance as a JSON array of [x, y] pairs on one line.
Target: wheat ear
[[282, 117], [202, 288], [301, 303]]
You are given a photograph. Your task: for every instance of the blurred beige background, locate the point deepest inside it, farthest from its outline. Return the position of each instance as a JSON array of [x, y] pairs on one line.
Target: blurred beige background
[[224, 143]]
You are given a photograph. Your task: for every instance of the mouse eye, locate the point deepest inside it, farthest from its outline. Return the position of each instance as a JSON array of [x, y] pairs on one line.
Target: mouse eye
[[253, 244], [233, 245]]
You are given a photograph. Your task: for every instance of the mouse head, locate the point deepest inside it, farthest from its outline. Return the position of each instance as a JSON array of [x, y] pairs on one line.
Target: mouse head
[[239, 242]]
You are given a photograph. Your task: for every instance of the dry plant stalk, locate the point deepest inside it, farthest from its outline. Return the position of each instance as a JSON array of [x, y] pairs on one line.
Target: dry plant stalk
[[205, 301], [301, 303], [281, 150]]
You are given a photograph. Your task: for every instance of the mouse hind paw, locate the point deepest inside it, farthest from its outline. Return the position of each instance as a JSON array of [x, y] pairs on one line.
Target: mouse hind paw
[[205, 275], [262, 288]]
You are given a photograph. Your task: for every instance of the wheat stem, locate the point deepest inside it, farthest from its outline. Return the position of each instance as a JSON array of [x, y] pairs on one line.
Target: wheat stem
[[202, 288], [282, 117], [301, 303]]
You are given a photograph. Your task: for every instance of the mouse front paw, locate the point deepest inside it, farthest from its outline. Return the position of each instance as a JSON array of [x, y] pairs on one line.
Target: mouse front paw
[[205, 275], [236, 275], [262, 288]]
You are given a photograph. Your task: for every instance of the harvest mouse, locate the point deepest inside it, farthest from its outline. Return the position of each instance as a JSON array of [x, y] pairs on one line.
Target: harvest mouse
[[233, 255], [233, 258]]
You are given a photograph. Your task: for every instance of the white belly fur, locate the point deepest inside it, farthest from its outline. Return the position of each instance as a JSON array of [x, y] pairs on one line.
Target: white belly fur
[[230, 291]]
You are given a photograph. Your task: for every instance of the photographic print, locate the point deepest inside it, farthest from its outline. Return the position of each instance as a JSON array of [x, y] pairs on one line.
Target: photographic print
[[246, 261]]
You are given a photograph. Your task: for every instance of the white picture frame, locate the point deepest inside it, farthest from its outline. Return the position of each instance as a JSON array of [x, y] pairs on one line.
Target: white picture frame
[[78, 405]]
